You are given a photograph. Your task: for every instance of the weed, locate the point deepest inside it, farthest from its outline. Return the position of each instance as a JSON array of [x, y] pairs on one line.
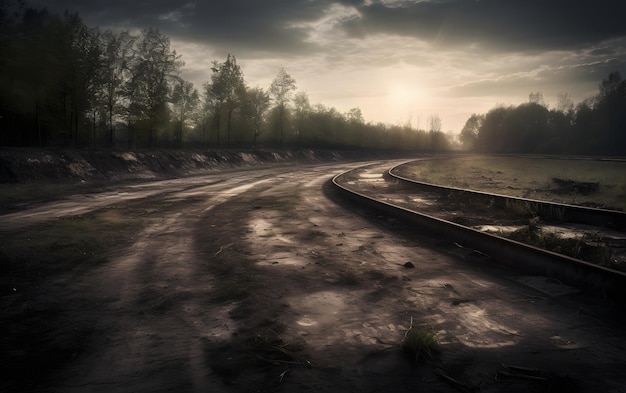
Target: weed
[[519, 207], [288, 200], [589, 247], [268, 346], [268, 233], [264, 341], [420, 344], [532, 234], [313, 234]]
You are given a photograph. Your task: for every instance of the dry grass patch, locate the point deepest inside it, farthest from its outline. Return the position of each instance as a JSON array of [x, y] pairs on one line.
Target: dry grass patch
[[530, 177]]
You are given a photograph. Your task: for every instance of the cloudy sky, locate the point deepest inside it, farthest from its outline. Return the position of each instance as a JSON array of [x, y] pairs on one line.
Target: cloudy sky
[[397, 60]]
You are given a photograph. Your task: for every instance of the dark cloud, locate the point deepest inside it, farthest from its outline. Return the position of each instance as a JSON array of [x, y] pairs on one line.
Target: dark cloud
[[251, 25], [276, 26], [247, 24], [498, 24], [582, 80]]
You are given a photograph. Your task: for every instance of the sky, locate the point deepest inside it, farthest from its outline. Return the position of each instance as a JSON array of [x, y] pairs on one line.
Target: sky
[[399, 61]]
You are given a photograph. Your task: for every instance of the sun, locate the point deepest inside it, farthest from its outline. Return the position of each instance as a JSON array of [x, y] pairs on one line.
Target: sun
[[402, 96], [404, 101]]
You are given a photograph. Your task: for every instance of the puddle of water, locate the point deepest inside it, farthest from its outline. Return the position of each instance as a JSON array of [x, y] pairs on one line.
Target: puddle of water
[[480, 331], [565, 343], [282, 259], [370, 175], [306, 322], [264, 229], [320, 308], [498, 228], [579, 231], [421, 201], [564, 232]]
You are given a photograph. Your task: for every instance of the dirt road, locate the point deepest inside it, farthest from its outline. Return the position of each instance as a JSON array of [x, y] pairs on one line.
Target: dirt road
[[258, 280]]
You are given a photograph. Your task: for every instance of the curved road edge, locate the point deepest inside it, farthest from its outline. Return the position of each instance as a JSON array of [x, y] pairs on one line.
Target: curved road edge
[[595, 279]]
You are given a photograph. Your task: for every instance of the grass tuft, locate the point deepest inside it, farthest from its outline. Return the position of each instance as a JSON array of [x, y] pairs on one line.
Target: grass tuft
[[590, 247], [420, 344]]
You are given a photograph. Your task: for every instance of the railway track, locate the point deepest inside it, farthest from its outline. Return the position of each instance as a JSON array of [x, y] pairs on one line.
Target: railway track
[[462, 216]]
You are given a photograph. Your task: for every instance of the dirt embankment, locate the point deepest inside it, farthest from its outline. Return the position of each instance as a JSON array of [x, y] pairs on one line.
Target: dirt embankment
[[48, 165]]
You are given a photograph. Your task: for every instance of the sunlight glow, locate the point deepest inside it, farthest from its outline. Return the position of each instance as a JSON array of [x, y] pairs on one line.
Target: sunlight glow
[[404, 102], [404, 96]]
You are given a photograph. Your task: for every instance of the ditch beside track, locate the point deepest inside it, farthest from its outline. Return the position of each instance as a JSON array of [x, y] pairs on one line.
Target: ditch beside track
[[461, 217]]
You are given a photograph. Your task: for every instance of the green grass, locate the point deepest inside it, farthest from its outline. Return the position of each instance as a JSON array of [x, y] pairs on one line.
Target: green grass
[[268, 233], [419, 343]]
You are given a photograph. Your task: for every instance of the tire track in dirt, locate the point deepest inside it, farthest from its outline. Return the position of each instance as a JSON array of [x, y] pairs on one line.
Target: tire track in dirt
[[159, 313], [336, 282], [319, 279], [332, 279]]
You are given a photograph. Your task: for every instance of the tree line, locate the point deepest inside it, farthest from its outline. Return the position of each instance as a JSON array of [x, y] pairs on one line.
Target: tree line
[[65, 84], [595, 126]]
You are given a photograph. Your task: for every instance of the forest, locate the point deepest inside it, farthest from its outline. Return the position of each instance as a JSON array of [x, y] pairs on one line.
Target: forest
[[64, 84], [596, 126]]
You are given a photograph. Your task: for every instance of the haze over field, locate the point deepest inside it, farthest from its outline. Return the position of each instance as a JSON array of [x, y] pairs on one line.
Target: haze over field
[[399, 61]]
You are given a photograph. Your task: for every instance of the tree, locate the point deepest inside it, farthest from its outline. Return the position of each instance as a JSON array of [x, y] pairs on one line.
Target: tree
[[491, 135], [80, 64], [280, 91], [609, 85], [610, 111], [225, 93], [185, 100], [564, 103], [257, 102], [469, 133], [154, 69], [536, 98], [355, 116], [29, 77], [49, 69], [434, 128], [526, 128], [302, 108], [94, 67], [118, 54]]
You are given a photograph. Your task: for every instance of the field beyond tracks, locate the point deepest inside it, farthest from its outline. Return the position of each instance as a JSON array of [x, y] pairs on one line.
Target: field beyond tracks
[[585, 182]]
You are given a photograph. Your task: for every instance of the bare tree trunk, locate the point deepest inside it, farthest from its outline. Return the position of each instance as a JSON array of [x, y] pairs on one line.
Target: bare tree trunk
[[180, 131], [280, 122], [94, 129], [111, 136], [230, 112]]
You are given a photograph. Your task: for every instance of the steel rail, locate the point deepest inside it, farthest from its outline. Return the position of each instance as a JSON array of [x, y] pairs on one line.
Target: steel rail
[[566, 212], [590, 277]]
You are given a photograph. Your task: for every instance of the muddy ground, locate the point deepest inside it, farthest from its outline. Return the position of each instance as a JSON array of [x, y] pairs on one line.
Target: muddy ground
[[263, 280]]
